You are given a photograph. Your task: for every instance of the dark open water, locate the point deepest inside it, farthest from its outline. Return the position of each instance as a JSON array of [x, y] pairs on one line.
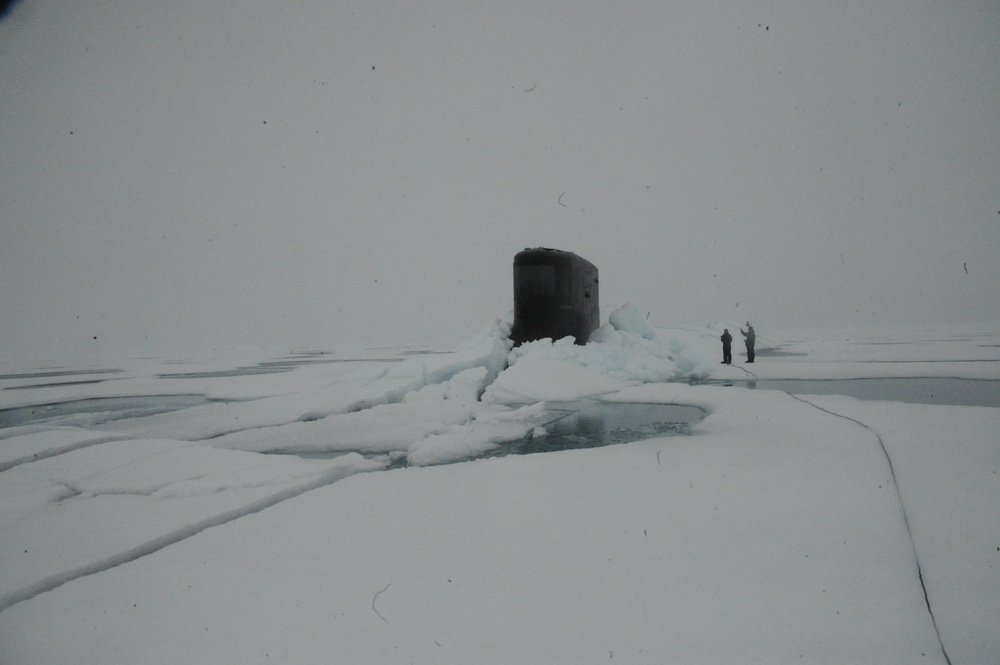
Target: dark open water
[[919, 390]]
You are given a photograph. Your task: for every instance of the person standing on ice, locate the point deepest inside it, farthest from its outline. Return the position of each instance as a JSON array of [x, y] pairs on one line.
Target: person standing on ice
[[727, 347], [751, 337]]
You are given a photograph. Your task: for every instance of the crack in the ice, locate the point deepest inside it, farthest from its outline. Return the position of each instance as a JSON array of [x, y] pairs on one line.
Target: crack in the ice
[[89, 494], [62, 450], [154, 545], [902, 509], [71, 492]]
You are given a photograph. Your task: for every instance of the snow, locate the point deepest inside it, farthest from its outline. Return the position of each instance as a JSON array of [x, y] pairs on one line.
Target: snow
[[628, 319], [340, 510]]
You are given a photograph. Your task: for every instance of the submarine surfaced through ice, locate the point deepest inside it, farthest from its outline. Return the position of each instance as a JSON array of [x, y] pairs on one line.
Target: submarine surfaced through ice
[[555, 296]]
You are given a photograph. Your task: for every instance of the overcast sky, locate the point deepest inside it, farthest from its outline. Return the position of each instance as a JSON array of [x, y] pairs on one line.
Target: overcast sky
[[178, 175]]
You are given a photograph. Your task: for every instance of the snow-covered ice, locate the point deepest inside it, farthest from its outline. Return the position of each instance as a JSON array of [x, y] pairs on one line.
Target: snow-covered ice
[[340, 509]]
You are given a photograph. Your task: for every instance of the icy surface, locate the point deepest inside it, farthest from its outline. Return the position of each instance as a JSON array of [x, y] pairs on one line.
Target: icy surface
[[785, 528]]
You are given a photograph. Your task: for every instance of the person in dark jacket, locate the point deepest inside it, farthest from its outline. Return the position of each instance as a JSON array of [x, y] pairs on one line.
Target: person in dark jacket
[[751, 338], [727, 347]]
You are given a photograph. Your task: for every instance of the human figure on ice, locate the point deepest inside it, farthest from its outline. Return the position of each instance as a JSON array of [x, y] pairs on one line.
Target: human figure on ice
[[751, 337], [727, 347]]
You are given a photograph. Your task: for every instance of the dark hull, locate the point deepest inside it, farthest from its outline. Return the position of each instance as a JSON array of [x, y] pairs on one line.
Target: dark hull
[[555, 296]]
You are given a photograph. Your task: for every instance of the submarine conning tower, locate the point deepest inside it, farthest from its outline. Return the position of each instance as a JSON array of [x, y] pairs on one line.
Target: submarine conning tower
[[555, 296]]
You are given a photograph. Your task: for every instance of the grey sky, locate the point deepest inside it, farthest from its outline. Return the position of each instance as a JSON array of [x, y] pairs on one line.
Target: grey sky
[[184, 175]]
